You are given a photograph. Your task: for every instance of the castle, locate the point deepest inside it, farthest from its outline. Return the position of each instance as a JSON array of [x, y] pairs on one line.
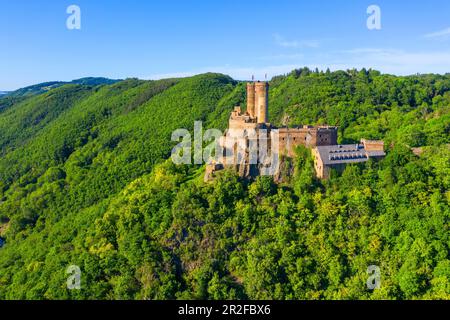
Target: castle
[[253, 146]]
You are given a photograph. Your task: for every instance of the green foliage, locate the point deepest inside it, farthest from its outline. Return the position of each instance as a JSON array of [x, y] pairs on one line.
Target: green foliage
[[366, 104], [47, 86], [84, 181]]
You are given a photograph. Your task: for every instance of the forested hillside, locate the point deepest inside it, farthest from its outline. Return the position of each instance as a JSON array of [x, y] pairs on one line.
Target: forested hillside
[[85, 180], [47, 86]]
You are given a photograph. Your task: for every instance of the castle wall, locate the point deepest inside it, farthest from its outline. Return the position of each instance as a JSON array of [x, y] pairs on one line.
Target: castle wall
[[372, 145], [326, 136], [237, 124], [322, 171], [307, 136]]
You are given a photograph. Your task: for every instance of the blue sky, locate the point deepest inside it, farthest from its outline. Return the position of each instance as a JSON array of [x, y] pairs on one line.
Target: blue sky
[[159, 38]]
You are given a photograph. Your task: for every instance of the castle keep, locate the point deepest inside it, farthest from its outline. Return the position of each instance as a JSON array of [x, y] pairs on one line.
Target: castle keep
[[253, 146]]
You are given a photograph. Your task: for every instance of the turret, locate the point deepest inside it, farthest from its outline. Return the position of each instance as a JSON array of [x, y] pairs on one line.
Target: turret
[[251, 99], [262, 101]]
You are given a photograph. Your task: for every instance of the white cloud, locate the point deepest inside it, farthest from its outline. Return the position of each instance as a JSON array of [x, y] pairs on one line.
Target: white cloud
[[438, 34], [294, 56], [282, 42], [393, 61], [397, 61], [169, 75], [239, 73], [370, 51]]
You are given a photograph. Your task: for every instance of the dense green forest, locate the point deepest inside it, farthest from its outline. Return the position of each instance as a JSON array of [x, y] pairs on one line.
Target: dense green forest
[[85, 180], [47, 86]]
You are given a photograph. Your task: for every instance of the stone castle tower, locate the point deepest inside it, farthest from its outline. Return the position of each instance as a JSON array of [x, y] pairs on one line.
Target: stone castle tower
[[258, 101]]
